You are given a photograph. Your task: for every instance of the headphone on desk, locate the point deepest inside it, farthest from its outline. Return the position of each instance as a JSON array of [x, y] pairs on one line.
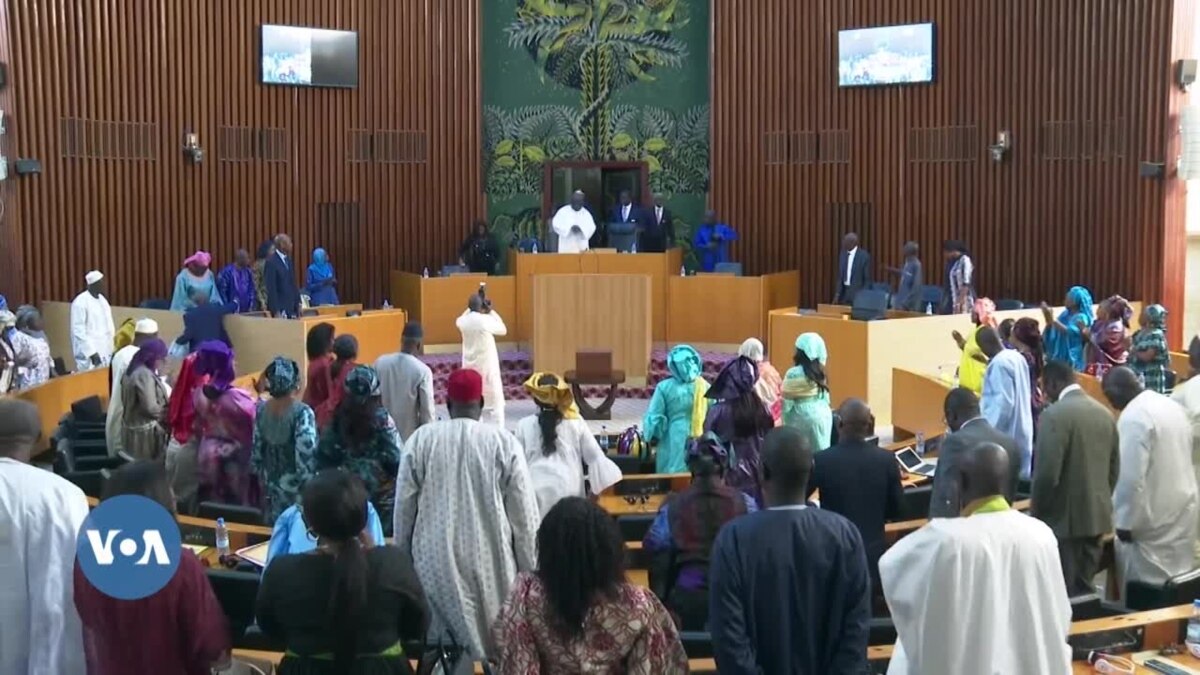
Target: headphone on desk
[[1110, 665]]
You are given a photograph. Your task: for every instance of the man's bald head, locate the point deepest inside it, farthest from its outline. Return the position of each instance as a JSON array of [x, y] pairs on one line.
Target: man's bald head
[[989, 341], [1121, 386], [475, 302], [787, 462], [20, 428], [855, 421], [984, 472]]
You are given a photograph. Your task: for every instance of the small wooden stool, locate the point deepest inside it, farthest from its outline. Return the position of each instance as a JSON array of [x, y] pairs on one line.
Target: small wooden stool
[[604, 410]]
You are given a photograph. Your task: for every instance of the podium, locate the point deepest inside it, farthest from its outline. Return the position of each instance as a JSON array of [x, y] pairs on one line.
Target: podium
[[592, 311]]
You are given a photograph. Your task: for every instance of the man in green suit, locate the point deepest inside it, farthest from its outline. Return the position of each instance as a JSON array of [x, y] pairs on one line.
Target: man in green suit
[[1076, 461]]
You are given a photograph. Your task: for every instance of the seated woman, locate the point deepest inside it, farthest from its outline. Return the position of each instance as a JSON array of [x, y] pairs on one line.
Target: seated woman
[[285, 437], [769, 386], [1151, 358], [225, 429], [179, 629], [685, 528], [345, 353], [362, 439], [346, 606], [677, 410], [195, 277], [577, 613], [740, 420], [1108, 337], [145, 399], [319, 346], [558, 445], [973, 363], [320, 283], [806, 392], [33, 329], [1064, 335]]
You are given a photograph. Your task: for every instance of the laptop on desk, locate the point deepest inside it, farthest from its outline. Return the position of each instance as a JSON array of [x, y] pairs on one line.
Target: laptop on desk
[[911, 462]]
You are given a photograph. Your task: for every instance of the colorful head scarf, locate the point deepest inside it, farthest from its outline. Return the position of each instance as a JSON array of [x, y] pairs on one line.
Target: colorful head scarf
[[557, 396], [182, 410], [215, 360], [283, 377], [684, 363], [7, 319], [26, 316], [1156, 317], [320, 269], [709, 445], [1082, 298], [737, 379], [201, 258], [752, 349], [985, 312], [362, 384], [148, 355], [813, 346], [1118, 308], [1028, 332]]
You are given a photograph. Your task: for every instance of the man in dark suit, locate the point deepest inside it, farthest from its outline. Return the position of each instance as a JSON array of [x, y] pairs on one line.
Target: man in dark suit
[[279, 276], [623, 222], [860, 480], [854, 271], [658, 230], [1078, 458], [968, 428]]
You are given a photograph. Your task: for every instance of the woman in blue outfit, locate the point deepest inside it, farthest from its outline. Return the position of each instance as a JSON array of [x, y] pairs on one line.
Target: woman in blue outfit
[[1064, 336], [320, 284], [285, 436], [806, 392], [195, 278], [677, 410]]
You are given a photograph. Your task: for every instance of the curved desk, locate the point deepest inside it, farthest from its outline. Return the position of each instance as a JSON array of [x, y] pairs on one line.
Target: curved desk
[[54, 398]]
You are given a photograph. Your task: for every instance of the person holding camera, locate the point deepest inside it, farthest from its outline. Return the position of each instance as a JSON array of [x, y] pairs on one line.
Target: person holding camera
[[480, 325]]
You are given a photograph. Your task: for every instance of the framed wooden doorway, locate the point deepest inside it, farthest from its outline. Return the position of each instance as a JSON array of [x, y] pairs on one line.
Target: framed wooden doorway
[[597, 180]]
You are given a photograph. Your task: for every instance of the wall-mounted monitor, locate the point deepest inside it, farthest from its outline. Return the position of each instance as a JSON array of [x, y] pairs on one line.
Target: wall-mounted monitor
[[885, 55], [309, 57]]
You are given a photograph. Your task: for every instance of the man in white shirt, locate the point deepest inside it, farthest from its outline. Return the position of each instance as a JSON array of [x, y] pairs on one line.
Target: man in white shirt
[[1007, 400], [574, 225], [40, 517], [982, 593], [1188, 396], [480, 325], [406, 383], [1155, 502], [92, 329], [143, 331]]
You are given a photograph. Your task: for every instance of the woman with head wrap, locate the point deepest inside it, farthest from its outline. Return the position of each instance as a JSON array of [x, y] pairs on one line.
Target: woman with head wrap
[[267, 248], [285, 437], [806, 392], [558, 444], [973, 363], [1064, 335], [1026, 338], [1151, 358], [32, 340], [194, 278], [181, 419], [320, 284], [146, 400], [741, 421], [1108, 337], [225, 429], [677, 410], [362, 439], [681, 537], [769, 386]]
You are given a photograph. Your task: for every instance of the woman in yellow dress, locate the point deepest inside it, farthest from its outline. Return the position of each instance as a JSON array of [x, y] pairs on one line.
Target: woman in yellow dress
[[973, 364]]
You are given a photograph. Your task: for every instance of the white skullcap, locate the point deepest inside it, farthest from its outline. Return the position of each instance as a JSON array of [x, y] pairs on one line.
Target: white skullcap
[[93, 276], [146, 326], [578, 192]]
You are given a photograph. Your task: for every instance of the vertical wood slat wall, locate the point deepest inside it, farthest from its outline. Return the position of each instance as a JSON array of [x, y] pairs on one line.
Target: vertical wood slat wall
[[172, 66], [1063, 208]]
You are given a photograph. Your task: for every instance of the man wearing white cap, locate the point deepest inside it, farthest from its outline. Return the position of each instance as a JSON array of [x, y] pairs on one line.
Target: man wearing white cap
[[143, 331], [92, 328], [574, 225]]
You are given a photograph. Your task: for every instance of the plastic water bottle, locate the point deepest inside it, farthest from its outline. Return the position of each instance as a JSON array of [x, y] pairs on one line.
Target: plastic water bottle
[[682, 271], [928, 308], [222, 539], [1193, 630], [425, 273], [604, 438], [386, 304], [920, 444], [633, 249], [534, 249]]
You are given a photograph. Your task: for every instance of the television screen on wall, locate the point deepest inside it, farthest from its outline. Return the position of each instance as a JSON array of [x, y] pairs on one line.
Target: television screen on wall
[[885, 55], [309, 57]]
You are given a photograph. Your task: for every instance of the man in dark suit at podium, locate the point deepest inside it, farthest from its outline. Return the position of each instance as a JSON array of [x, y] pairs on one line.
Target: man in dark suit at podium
[[279, 276], [624, 220], [658, 230], [854, 271]]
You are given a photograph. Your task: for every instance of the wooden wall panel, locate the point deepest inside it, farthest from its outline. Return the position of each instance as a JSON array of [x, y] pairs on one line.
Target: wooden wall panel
[[1084, 87], [194, 65]]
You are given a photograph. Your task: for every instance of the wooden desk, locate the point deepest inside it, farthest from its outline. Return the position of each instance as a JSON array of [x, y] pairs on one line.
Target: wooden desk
[[438, 301], [617, 506], [917, 404], [723, 309], [336, 310], [57, 316], [592, 311], [679, 481], [845, 341], [893, 531]]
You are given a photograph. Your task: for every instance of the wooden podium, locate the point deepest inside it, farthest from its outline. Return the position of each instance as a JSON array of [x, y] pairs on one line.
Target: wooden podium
[[592, 311]]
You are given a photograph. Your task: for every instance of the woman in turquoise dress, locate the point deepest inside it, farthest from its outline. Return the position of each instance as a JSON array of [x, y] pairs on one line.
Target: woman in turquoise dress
[[806, 392], [1149, 356], [195, 277], [677, 410], [285, 436], [1064, 336]]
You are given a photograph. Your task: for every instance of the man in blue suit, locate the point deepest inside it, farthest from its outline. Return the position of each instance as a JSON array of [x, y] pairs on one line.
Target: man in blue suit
[[624, 220], [279, 276]]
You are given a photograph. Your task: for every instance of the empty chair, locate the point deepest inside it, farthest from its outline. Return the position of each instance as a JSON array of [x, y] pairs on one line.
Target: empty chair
[[232, 513], [870, 305], [635, 526], [932, 297], [236, 592], [449, 270], [915, 503], [1009, 305], [1180, 589], [697, 644], [155, 303], [734, 268]]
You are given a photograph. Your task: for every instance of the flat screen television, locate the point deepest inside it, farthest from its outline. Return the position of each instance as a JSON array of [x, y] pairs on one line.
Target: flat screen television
[[309, 57], [885, 55]]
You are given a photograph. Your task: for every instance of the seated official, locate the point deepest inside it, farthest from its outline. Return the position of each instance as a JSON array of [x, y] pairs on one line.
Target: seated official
[[683, 532], [346, 606], [578, 613], [179, 629]]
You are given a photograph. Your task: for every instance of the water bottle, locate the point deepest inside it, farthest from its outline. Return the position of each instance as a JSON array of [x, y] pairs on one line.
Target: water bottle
[[682, 271], [921, 445], [1193, 630], [928, 309], [633, 249], [604, 438], [534, 249], [425, 273], [222, 539], [386, 304]]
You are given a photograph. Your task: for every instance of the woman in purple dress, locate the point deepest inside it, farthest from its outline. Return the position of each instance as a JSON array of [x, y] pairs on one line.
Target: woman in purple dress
[[741, 420], [225, 426]]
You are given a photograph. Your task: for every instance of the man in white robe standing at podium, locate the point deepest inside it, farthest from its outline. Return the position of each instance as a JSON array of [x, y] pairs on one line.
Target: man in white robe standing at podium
[[574, 225], [479, 326]]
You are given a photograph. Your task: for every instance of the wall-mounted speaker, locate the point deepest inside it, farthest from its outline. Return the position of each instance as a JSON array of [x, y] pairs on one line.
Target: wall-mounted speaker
[[1152, 169], [26, 167], [1185, 73]]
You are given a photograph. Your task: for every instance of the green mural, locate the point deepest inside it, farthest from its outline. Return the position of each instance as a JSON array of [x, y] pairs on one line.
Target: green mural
[[622, 80]]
